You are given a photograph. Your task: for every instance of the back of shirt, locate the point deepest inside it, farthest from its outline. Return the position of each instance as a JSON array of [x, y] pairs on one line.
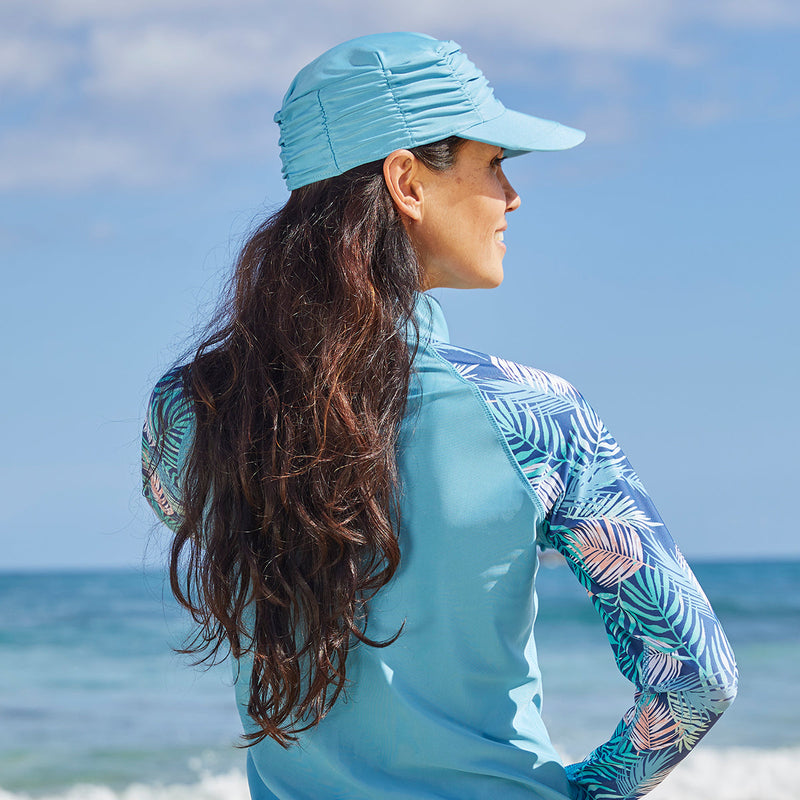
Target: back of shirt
[[450, 709], [495, 458]]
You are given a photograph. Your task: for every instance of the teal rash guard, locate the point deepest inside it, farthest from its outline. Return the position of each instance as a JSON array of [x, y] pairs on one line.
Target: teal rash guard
[[497, 460]]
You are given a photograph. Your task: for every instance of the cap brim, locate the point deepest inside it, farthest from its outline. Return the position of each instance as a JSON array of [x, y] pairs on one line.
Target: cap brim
[[520, 133]]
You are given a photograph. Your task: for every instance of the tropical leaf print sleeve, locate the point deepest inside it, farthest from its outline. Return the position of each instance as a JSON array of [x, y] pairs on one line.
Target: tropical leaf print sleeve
[[665, 637], [165, 438]]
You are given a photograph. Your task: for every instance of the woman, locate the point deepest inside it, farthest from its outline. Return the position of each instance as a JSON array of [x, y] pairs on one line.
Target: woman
[[357, 503]]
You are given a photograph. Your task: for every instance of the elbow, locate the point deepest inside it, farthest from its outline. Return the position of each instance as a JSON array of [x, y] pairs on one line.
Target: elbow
[[720, 687], [729, 687], [718, 673]]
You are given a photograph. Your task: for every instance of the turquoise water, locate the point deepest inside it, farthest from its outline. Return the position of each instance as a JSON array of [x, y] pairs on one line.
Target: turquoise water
[[95, 705], [759, 606], [90, 690]]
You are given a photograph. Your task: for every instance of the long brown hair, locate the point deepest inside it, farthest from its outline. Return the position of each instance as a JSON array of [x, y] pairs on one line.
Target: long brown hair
[[289, 490]]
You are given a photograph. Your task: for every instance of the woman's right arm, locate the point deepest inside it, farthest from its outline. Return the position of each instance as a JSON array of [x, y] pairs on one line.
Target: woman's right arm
[[166, 437]]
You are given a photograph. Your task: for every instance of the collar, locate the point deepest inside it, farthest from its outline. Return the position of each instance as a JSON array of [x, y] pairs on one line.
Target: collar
[[430, 320]]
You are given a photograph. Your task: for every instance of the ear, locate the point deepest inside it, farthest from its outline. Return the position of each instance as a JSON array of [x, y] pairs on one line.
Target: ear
[[402, 172]]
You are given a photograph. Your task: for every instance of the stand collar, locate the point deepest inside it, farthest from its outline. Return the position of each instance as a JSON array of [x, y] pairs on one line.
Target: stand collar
[[430, 320]]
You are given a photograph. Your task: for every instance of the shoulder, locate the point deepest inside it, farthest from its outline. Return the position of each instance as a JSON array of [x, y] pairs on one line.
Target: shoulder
[[169, 392], [542, 418], [503, 380], [170, 410], [166, 438]]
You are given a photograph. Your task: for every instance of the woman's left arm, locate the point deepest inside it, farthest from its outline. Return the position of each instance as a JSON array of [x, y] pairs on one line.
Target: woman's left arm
[[665, 636]]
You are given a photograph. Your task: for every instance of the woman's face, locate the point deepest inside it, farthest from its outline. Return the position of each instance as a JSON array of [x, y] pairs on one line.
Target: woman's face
[[459, 236]]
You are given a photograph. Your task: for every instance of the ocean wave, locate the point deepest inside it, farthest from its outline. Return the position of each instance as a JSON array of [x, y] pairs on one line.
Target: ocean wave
[[734, 774], [712, 774], [226, 786]]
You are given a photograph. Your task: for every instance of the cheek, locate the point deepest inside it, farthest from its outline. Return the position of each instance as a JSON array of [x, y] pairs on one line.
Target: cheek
[[435, 240]]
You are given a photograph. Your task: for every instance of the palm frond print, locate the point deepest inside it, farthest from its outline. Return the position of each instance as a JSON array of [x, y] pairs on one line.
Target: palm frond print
[[609, 551], [547, 484], [659, 668], [160, 496], [166, 426], [652, 726], [663, 632], [611, 505], [647, 773], [536, 378]]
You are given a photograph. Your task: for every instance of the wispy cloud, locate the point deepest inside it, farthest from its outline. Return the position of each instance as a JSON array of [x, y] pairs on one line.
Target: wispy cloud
[[146, 90], [173, 64], [30, 63], [748, 13], [79, 156]]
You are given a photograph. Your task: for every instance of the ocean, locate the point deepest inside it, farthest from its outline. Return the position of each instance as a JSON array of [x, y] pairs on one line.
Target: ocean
[[95, 705]]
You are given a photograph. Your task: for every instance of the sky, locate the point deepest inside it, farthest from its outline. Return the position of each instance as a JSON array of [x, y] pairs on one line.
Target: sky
[[655, 266]]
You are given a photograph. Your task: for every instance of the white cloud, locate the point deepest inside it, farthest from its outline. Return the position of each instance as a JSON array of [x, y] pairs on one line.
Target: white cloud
[[703, 113], [29, 63], [147, 88], [617, 27], [75, 12], [607, 123], [181, 65], [76, 158], [749, 13]]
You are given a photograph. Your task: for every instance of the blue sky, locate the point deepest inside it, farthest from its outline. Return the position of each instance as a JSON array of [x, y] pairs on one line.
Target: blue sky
[[655, 266]]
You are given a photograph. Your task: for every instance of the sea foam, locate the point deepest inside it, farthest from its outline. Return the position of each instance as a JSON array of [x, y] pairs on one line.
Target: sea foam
[[734, 774], [226, 786], [710, 774]]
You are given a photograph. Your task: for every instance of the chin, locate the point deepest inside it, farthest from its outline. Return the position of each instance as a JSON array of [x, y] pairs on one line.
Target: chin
[[492, 281], [493, 284], [472, 279]]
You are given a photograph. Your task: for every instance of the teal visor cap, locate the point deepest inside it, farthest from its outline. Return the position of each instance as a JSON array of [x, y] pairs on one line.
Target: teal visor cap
[[365, 98]]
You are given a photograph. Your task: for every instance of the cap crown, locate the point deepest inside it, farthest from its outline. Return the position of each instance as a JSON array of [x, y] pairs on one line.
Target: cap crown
[[363, 99]]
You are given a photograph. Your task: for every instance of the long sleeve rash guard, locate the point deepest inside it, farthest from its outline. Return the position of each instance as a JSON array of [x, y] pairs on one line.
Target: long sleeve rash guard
[[496, 460]]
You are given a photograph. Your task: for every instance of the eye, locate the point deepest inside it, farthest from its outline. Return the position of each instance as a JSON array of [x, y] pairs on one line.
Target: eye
[[497, 161]]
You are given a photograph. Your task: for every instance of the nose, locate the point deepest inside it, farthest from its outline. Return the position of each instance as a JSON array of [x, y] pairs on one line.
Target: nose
[[513, 200]]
